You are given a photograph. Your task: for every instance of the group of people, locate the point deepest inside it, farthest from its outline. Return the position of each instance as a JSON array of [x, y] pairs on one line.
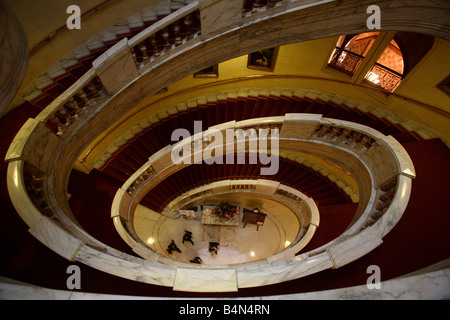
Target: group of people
[[173, 247], [213, 246]]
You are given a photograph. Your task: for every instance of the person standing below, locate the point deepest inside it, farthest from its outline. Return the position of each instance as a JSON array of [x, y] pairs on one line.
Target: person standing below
[[188, 237], [213, 248], [173, 247], [196, 260]]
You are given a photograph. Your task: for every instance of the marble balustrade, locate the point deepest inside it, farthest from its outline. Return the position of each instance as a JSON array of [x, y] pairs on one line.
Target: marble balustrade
[[70, 112], [166, 36], [77, 105], [304, 207], [218, 42], [155, 163], [160, 161], [359, 238], [306, 211]]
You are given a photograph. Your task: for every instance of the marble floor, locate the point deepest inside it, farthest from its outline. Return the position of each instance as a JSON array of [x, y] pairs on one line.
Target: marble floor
[[236, 243]]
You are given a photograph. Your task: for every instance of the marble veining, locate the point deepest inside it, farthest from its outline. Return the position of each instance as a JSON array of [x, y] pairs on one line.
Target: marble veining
[[53, 236], [433, 285], [337, 254]]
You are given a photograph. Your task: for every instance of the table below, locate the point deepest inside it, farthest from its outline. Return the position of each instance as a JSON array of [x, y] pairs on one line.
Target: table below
[[210, 219], [254, 217]]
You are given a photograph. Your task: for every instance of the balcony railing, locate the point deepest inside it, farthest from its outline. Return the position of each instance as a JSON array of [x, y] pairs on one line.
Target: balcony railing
[[167, 37], [383, 77], [352, 138], [385, 159], [345, 61], [78, 105]]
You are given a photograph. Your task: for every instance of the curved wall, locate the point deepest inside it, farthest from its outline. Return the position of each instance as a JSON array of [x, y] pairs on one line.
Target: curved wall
[[53, 159]]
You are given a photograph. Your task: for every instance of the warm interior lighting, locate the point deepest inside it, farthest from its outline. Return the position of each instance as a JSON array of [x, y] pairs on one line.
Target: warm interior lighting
[[373, 77]]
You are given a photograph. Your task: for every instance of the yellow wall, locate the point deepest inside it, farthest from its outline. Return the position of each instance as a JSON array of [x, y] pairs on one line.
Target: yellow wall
[[41, 18], [303, 66]]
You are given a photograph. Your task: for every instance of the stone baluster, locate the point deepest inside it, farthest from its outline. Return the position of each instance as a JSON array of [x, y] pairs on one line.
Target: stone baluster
[[73, 105], [363, 141], [65, 114], [131, 190], [154, 41], [95, 94], [346, 135], [197, 15], [370, 143], [165, 35], [356, 139], [36, 184], [146, 174], [256, 6], [176, 30], [70, 111], [188, 24], [271, 3], [133, 55], [335, 133], [83, 96], [321, 131], [60, 127], [145, 57], [328, 132], [100, 93]]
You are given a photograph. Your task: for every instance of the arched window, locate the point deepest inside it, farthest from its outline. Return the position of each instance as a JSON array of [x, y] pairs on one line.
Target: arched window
[[351, 50], [398, 58], [387, 72]]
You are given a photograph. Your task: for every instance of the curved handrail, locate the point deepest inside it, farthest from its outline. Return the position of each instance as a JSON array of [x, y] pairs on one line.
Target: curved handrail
[[301, 205], [334, 254], [389, 173], [53, 157]]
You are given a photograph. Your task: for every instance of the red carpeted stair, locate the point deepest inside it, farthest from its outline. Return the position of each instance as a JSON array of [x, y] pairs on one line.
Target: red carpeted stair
[[137, 150], [290, 173], [420, 238]]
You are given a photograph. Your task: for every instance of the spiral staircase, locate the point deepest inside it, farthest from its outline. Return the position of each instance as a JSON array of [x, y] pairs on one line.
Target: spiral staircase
[[378, 201]]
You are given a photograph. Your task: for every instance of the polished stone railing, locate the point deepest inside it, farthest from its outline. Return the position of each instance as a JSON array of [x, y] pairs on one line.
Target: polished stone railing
[[345, 61], [163, 37], [300, 204], [383, 77], [147, 174], [59, 123], [384, 158], [230, 36], [303, 207], [378, 163], [77, 106], [89, 92]]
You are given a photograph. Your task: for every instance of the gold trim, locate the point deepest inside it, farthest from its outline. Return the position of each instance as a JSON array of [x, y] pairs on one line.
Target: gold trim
[[335, 266]]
